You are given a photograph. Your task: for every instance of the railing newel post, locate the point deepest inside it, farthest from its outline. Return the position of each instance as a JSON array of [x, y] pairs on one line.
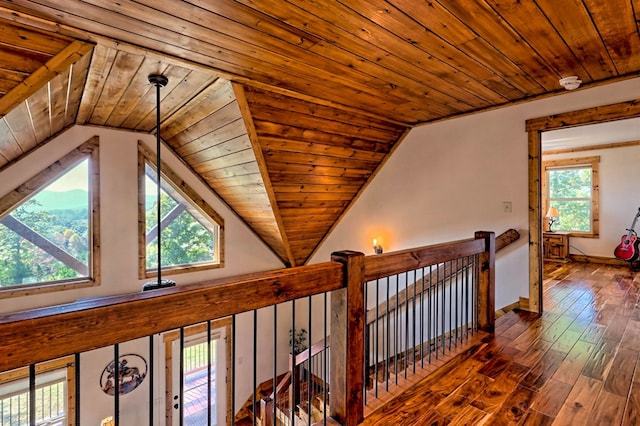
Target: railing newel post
[[347, 341], [487, 282]]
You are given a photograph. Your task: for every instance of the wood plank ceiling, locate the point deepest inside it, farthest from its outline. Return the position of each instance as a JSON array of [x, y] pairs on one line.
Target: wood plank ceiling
[[287, 109]]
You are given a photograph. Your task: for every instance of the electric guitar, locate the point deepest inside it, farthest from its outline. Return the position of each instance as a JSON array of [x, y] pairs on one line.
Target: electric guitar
[[628, 247]]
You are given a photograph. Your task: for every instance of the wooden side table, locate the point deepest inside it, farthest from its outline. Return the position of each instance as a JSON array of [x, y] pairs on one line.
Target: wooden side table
[[555, 246]]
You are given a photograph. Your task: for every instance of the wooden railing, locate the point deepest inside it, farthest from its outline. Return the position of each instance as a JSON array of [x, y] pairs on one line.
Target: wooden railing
[[39, 335]]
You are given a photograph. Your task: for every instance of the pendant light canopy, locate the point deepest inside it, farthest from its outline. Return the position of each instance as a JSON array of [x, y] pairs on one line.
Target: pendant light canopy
[[159, 81]]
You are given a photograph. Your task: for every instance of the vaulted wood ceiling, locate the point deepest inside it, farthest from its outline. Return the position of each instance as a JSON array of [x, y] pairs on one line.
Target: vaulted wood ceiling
[[286, 109]]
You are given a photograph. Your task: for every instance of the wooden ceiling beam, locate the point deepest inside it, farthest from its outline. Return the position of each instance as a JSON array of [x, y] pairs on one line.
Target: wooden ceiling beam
[[257, 150], [56, 65]]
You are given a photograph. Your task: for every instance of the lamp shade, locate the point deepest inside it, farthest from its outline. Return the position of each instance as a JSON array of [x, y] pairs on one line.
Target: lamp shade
[[107, 421], [552, 212]]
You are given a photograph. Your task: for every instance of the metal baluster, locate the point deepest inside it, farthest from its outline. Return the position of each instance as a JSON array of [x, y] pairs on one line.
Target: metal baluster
[[476, 290], [388, 333], [151, 380], [76, 372], [465, 296], [209, 410], [473, 295], [377, 334], [450, 281], [294, 367], [181, 394], [275, 362], [406, 324], [457, 302], [367, 344], [116, 384], [255, 368], [436, 336], [310, 375], [326, 373], [396, 334], [422, 317], [32, 395], [413, 329], [444, 304], [429, 310]]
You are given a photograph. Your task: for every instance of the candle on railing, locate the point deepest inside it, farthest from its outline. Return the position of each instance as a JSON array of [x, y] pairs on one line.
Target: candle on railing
[[377, 248]]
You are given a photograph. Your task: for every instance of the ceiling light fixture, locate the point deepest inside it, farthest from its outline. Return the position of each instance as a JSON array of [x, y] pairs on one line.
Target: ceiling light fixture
[[570, 83], [159, 81]]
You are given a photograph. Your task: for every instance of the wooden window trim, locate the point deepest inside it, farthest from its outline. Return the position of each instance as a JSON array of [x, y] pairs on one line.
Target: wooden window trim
[[197, 206], [67, 362], [25, 191], [592, 162]]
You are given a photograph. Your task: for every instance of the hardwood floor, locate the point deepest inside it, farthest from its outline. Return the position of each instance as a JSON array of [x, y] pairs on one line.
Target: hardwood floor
[[577, 364]]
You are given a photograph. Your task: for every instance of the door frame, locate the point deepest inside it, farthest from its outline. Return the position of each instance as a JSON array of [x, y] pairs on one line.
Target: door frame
[[201, 328], [535, 127]]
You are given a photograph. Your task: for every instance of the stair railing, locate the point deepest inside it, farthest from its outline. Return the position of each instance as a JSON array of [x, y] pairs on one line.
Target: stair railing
[[350, 348], [34, 336]]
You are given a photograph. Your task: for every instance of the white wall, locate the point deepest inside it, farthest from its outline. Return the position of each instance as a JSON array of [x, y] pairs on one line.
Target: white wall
[[619, 177], [449, 179], [243, 253]]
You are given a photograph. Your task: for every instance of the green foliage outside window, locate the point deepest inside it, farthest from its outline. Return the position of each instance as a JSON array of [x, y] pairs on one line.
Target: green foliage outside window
[[570, 191], [58, 219], [184, 241]]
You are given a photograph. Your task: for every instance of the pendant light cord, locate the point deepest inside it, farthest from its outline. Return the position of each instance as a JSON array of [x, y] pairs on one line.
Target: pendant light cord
[[159, 81], [158, 192]]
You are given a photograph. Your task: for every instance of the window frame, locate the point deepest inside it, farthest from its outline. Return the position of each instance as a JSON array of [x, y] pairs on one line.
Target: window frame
[[24, 192], [67, 363], [197, 206], [572, 163]]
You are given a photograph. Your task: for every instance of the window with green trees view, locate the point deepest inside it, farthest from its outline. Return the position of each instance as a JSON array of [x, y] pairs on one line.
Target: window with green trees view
[[191, 230], [46, 228], [571, 187]]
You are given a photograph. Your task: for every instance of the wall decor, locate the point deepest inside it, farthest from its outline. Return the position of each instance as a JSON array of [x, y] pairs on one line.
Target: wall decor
[[132, 369]]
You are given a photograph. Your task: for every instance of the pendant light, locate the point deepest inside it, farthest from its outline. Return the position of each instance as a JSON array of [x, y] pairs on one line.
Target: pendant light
[[159, 81]]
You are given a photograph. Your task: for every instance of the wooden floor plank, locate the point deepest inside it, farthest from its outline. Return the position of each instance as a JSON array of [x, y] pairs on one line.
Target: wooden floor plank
[[534, 418], [572, 365], [632, 409], [577, 407], [600, 360], [631, 336], [619, 378], [551, 396], [608, 409], [514, 408]]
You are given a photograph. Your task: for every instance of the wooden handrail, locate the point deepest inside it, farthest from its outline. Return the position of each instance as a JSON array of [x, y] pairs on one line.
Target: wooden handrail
[[286, 381], [315, 349], [506, 238], [42, 334], [384, 265]]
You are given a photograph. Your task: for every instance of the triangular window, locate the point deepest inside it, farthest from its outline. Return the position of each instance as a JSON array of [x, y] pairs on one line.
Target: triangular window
[[47, 225], [191, 229]]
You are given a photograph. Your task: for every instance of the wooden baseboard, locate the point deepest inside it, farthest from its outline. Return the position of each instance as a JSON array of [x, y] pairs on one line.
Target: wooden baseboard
[[500, 312], [598, 259], [524, 303]]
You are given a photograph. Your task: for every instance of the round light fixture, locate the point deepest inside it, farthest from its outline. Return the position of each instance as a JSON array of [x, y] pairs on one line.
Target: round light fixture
[[570, 83]]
